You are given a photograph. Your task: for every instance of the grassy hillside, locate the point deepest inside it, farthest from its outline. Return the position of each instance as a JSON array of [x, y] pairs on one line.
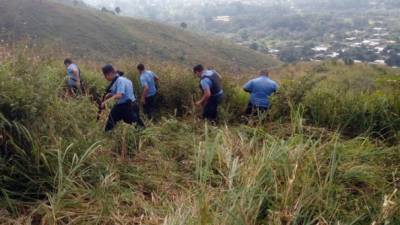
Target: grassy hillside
[[92, 34], [328, 153]]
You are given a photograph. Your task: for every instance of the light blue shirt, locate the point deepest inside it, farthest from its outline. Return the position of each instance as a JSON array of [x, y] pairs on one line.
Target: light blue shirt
[[261, 89], [148, 79], [123, 86], [70, 74], [206, 84]]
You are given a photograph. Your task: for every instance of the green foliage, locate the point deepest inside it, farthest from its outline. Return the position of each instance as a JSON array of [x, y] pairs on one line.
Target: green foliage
[[348, 99], [58, 167], [299, 180], [234, 103], [178, 91], [86, 33]]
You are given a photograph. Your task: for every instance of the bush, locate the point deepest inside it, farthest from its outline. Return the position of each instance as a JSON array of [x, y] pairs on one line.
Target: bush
[[348, 100]]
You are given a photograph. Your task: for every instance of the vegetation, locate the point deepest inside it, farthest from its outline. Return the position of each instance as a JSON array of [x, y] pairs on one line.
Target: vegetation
[[315, 160], [291, 30], [354, 99], [90, 34]]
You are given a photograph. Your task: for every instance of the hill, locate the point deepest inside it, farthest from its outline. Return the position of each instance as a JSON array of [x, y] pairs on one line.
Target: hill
[[88, 33], [329, 152], [294, 31]]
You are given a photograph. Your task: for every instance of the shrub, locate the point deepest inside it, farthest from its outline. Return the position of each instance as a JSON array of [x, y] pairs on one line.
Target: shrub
[[350, 100]]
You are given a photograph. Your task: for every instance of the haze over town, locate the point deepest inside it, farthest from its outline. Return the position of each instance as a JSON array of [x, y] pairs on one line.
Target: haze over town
[[291, 30]]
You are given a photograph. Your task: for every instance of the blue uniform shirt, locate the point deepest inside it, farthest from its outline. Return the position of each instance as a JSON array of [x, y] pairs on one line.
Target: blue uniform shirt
[[261, 89], [148, 79], [123, 86], [70, 74], [206, 84]]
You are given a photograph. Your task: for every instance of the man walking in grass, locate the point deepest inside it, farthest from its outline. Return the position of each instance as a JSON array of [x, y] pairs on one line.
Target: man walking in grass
[[148, 81], [260, 89], [126, 108], [73, 78], [211, 87]]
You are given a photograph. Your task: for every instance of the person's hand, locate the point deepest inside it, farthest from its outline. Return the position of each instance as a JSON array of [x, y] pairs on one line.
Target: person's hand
[[199, 103], [103, 105], [109, 95]]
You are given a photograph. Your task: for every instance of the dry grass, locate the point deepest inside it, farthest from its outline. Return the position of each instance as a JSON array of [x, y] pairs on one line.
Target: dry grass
[[58, 167]]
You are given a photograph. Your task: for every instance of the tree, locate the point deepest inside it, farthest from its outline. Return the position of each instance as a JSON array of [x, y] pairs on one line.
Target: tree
[[184, 25], [118, 10], [105, 10], [393, 60], [348, 61], [244, 35], [254, 46]]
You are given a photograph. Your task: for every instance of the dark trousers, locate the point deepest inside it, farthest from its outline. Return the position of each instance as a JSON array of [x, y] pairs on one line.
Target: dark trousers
[[255, 110], [74, 90], [210, 111], [127, 112], [150, 107]]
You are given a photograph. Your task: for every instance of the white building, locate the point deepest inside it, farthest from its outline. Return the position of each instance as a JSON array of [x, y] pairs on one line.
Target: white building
[[223, 19], [321, 48]]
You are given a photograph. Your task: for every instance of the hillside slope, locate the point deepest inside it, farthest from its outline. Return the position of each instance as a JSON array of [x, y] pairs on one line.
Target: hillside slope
[[93, 34]]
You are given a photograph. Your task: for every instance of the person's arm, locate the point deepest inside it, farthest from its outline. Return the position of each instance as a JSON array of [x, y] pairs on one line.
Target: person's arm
[[145, 86], [248, 87], [204, 98], [111, 97], [75, 73], [156, 78], [156, 81], [120, 90], [276, 87], [107, 96], [206, 93], [218, 74], [144, 94]]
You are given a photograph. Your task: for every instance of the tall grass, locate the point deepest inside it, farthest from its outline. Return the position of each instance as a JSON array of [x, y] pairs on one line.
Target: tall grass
[[255, 178], [355, 100], [58, 167]]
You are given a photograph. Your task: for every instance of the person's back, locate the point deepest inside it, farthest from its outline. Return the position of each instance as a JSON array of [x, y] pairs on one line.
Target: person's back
[[122, 91], [148, 78], [148, 81], [73, 78], [125, 86], [213, 80], [71, 69], [261, 89], [210, 85]]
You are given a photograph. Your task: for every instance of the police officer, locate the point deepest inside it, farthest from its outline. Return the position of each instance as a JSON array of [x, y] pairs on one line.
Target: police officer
[[148, 81], [126, 108], [260, 89], [211, 87], [73, 77]]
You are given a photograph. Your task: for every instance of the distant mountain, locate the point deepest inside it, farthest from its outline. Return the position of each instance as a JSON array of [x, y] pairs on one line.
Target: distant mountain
[[85, 32]]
